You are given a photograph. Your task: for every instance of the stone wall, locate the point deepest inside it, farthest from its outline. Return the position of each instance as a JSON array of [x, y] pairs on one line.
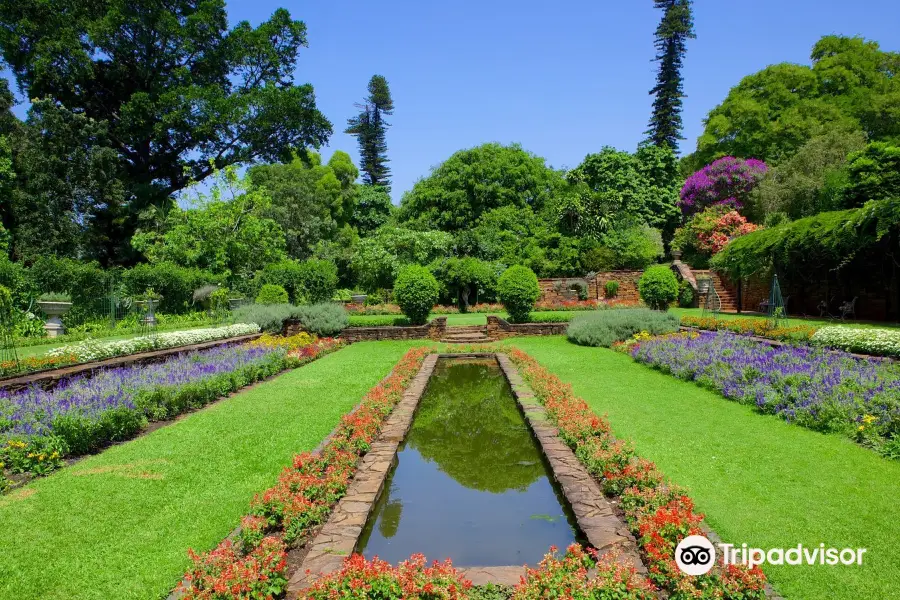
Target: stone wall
[[498, 328], [557, 290], [628, 284], [433, 330]]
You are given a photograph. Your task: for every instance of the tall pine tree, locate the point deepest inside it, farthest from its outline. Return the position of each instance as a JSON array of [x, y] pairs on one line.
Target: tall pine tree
[[370, 130], [675, 28]]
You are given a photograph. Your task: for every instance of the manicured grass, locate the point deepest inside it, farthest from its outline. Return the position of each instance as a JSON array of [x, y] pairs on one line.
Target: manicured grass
[[759, 480], [119, 524], [696, 312]]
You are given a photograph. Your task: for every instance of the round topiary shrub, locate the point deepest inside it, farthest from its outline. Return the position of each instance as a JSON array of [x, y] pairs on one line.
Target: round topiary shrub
[[272, 294], [416, 291], [611, 288], [658, 287], [518, 290]]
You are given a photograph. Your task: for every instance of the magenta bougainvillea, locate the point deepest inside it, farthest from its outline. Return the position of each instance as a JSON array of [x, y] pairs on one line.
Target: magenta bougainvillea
[[726, 182]]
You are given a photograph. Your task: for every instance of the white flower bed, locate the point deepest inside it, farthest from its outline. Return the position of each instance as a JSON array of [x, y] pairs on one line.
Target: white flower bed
[[89, 350], [877, 342]]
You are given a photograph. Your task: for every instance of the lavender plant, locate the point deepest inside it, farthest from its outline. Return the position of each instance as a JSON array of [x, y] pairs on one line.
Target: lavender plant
[[819, 389]]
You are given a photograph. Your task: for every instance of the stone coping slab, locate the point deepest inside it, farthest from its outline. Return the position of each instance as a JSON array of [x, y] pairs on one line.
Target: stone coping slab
[[338, 538]]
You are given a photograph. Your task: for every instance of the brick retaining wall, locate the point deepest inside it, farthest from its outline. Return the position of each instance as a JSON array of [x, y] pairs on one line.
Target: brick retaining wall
[[499, 328], [430, 331]]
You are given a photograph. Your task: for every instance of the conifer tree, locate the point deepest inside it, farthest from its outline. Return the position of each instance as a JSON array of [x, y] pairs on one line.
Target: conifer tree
[[675, 28], [370, 130]]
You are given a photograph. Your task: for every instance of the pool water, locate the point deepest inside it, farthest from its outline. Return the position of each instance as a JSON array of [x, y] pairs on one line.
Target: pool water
[[470, 482]]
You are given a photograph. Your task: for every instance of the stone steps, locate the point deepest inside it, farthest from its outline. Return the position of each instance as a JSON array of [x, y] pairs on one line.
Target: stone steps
[[470, 334]]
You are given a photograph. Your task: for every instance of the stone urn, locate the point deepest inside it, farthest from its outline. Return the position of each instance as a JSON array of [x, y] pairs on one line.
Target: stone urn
[[676, 255], [235, 303], [358, 298], [54, 310], [150, 306]]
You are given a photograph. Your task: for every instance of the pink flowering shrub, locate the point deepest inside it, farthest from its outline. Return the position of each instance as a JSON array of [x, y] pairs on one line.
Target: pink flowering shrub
[[725, 182], [708, 232]]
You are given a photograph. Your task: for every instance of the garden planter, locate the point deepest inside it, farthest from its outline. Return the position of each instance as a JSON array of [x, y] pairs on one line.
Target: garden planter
[[54, 310], [358, 298], [150, 306], [235, 303]]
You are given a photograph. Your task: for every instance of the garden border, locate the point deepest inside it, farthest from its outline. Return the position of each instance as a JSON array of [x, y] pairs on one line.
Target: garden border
[[338, 538], [48, 379]]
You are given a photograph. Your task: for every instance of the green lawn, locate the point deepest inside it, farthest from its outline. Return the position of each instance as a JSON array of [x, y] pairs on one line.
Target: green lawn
[[758, 479], [118, 524], [696, 312]]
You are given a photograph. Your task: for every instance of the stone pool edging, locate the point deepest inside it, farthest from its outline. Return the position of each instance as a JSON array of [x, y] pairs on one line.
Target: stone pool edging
[[594, 513]]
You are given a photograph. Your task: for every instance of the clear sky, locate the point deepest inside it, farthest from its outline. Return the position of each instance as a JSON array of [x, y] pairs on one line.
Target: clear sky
[[562, 78]]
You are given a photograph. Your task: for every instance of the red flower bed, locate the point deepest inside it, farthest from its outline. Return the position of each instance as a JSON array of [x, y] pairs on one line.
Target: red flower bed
[[363, 579], [660, 516], [303, 498]]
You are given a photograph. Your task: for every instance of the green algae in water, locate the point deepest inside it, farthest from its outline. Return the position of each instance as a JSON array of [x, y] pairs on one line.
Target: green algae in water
[[470, 482]]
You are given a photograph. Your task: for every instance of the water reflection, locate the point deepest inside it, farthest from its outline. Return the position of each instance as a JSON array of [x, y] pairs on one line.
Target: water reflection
[[470, 482]]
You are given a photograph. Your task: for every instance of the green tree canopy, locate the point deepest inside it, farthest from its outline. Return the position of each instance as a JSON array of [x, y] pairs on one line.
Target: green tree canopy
[[874, 174], [474, 181], [851, 85], [613, 185], [178, 93], [310, 201], [373, 209], [224, 233], [379, 257]]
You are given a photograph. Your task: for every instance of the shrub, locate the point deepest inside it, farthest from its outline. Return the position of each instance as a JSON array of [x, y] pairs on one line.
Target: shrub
[[287, 274], [611, 289], [325, 319], [176, 284], [269, 317], [878, 342], [318, 279], [604, 328], [658, 287], [518, 290], [417, 291], [685, 294], [272, 294]]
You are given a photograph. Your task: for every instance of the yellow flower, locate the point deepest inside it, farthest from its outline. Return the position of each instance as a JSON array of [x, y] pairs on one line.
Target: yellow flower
[[861, 427], [869, 419]]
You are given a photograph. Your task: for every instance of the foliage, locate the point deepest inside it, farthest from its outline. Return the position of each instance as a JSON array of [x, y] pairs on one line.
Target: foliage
[[611, 289], [372, 210], [518, 290], [725, 182], [610, 580], [604, 328], [841, 393], [808, 182], [7, 311], [757, 327], [269, 317], [475, 181], [360, 578], [225, 232], [708, 232], [829, 239], [377, 321], [874, 174], [35, 455], [672, 34], [173, 112], [259, 574], [318, 279], [309, 201], [877, 342], [293, 342], [85, 282], [370, 130], [90, 349], [173, 282], [380, 257], [54, 297], [770, 114], [685, 294], [286, 274], [612, 186], [658, 287], [417, 292], [325, 318], [272, 294], [460, 278], [635, 247]]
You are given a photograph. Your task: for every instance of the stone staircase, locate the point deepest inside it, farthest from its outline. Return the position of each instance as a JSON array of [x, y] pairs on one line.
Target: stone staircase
[[470, 334], [727, 293]]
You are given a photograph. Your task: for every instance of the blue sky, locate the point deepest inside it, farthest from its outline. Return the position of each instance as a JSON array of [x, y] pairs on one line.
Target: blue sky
[[562, 78]]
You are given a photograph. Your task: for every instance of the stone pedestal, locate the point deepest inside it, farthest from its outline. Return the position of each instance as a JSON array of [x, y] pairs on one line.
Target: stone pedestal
[[54, 310]]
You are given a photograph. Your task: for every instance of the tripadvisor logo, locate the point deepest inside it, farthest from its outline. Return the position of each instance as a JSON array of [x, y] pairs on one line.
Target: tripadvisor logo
[[696, 555]]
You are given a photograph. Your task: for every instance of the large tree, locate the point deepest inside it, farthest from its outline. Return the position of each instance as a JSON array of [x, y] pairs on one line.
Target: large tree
[[851, 85], [178, 93], [675, 28], [474, 181], [370, 130]]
